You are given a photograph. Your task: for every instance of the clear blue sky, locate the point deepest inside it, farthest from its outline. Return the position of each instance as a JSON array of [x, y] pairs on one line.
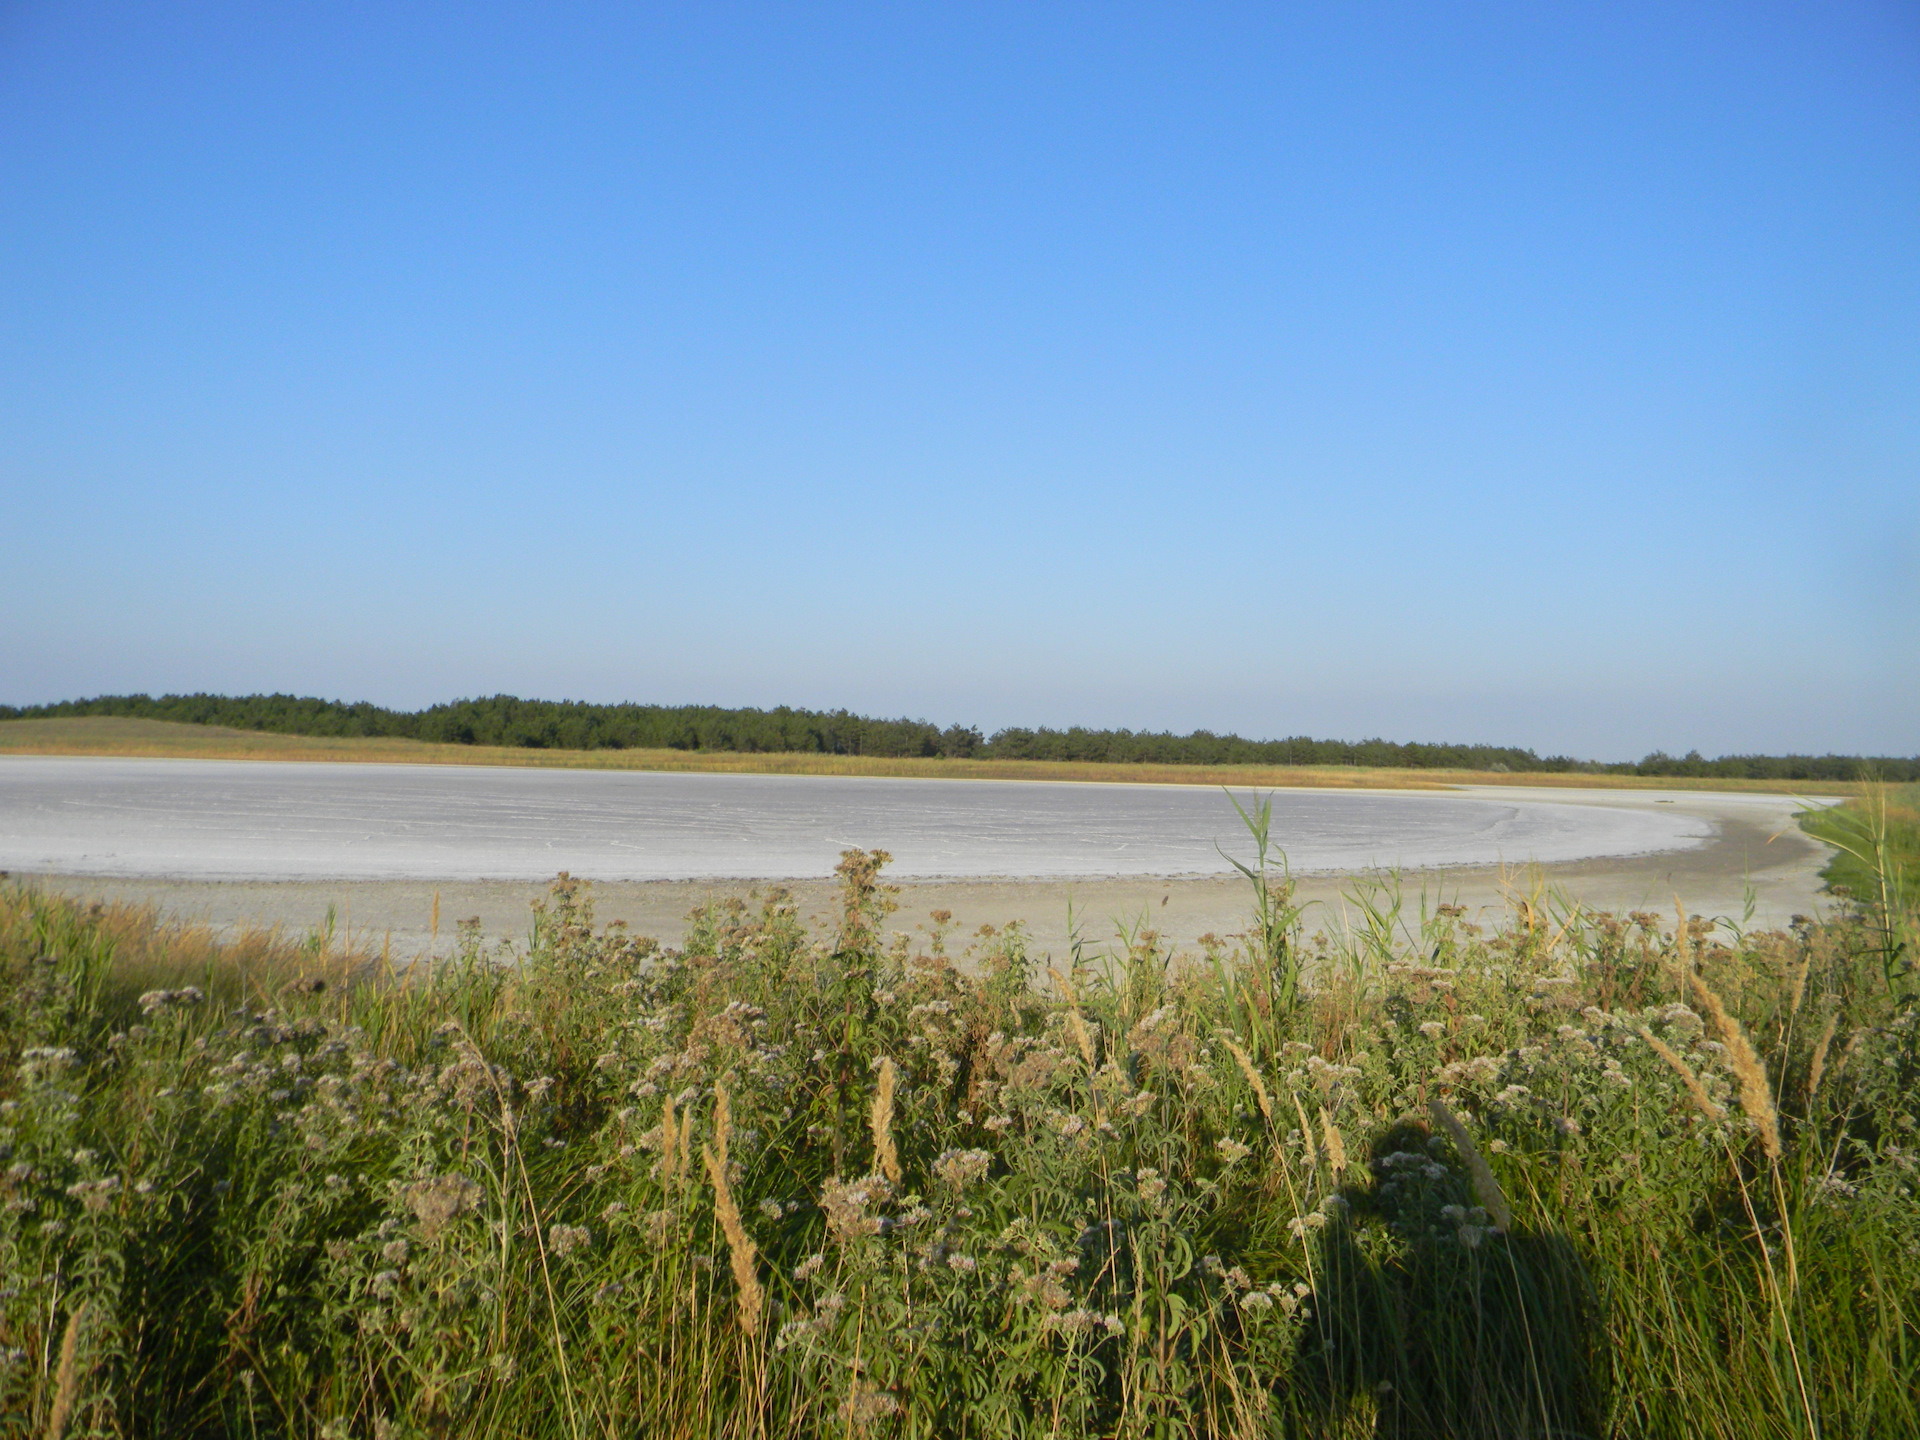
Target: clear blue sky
[[1533, 374]]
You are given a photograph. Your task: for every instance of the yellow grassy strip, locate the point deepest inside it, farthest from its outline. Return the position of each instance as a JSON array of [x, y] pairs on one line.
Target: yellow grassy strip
[[162, 739]]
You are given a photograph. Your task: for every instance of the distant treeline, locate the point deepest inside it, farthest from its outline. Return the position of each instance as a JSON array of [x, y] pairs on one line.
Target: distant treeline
[[573, 725]]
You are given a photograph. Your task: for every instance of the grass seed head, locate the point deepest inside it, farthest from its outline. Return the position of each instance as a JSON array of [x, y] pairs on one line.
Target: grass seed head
[[1817, 1069], [1245, 1062], [1756, 1095], [886, 1159], [1698, 1091], [740, 1247], [67, 1377], [1336, 1146]]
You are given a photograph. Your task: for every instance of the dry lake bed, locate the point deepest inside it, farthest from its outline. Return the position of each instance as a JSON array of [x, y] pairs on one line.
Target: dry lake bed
[[248, 842]]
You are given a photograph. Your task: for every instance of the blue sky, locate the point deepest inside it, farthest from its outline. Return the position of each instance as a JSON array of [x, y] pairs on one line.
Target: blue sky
[[1545, 375]]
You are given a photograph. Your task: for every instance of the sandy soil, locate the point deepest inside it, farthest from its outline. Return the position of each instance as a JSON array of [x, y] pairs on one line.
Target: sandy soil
[[1752, 853]]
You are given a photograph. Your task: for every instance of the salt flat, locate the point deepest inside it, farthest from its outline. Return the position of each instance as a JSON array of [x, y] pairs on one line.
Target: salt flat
[[235, 842], [237, 820]]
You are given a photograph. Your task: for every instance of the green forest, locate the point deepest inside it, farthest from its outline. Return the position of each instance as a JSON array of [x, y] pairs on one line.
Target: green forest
[[509, 721]]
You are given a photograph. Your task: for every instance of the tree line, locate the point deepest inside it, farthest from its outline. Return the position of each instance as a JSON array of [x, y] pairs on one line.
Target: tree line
[[506, 720]]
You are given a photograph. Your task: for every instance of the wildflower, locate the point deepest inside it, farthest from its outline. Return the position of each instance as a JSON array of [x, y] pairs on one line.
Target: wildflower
[[999, 1123], [1433, 1029], [961, 1168], [809, 1267], [964, 1264], [436, 1202], [95, 1195], [563, 1240], [614, 1209], [394, 1252], [40, 1062], [1152, 1187], [1076, 1322], [770, 1209], [1257, 1301], [1071, 1125], [846, 1207], [1231, 1150], [155, 1000], [866, 1405]]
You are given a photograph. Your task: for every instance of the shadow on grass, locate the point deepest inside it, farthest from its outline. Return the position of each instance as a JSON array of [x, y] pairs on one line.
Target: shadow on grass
[[1439, 1325]]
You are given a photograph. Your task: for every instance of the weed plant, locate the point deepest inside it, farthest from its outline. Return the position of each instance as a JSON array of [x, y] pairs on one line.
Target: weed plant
[[1575, 1175]]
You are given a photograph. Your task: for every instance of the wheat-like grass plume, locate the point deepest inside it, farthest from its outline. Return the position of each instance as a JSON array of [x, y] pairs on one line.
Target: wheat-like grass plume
[[1798, 988], [1679, 1066], [1306, 1134], [1756, 1095], [1817, 1069], [1486, 1189], [670, 1148], [67, 1377], [741, 1250], [1076, 1022], [1245, 1062], [886, 1159], [685, 1164], [1336, 1146], [722, 1122]]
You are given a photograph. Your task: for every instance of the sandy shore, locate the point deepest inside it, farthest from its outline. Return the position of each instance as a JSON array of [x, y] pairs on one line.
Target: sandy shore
[[1755, 851]]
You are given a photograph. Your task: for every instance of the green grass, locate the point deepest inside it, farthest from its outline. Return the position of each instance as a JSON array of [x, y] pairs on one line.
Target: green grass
[[892, 1181], [1878, 835]]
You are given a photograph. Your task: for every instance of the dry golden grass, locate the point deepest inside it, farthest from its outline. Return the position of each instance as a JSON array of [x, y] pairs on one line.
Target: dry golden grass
[[102, 735]]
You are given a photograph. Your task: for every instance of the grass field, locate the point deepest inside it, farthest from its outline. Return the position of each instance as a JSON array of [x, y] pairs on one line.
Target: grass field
[[96, 735], [1878, 838], [1581, 1176]]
